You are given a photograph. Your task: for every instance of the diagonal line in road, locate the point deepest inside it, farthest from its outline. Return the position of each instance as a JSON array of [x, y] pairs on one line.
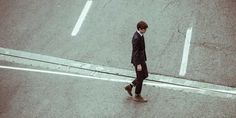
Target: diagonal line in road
[[50, 62], [125, 80], [184, 62], [82, 18]]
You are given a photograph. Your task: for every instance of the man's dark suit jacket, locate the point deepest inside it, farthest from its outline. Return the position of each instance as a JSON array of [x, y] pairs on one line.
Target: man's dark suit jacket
[[138, 51]]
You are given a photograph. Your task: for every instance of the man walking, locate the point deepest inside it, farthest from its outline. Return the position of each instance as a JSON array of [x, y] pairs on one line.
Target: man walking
[[138, 59]]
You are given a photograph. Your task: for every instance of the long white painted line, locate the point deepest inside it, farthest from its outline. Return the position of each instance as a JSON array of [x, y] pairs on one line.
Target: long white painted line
[[38, 60], [81, 18], [90, 77], [155, 84], [60, 73], [184, 63]]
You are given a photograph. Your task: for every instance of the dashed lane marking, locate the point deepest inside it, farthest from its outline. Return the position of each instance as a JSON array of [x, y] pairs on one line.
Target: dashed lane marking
[[184, 63], [81, 18]]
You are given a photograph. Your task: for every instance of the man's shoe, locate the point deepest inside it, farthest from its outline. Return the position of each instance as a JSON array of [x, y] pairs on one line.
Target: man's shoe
[[139, 98], [129, 90]]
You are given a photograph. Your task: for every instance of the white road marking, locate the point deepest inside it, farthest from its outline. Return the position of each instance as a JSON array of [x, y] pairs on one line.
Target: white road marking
[[60, 73], [63, 65], [184, 63], [81, 18], [155, 84]]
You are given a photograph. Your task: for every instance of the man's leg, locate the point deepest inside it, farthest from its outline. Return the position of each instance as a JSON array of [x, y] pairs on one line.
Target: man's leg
[[138, 90], [129, 87], [141, 76], [139, 84]]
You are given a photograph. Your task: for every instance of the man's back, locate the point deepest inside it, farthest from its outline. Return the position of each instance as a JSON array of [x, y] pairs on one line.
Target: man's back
[[138, 49]]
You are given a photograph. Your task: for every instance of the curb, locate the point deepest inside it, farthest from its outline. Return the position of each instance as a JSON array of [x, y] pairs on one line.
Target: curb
[[11, 55]]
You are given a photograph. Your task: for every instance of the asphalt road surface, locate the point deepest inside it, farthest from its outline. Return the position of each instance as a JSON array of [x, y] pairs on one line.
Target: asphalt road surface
[[104, 38], [27, 94], [188, 39]]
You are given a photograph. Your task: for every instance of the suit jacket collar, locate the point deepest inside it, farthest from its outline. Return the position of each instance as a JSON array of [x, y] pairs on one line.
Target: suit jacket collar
[[139, 33]]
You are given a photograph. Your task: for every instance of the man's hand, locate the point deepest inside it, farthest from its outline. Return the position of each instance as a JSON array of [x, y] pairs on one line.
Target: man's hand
[[139, 67]]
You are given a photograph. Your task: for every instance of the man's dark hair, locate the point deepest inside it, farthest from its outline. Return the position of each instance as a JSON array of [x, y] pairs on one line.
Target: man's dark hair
[[142, 25]]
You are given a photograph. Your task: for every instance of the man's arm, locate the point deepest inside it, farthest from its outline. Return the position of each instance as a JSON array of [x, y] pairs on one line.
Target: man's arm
[[136, 49]]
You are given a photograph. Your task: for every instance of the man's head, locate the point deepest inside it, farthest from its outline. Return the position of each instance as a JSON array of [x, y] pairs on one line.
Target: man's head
[[142, 26]]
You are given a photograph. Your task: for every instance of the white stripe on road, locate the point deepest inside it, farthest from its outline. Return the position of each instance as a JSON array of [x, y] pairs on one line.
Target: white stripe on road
[[184, 63], [81, 18], [60, 73], [155, 84]]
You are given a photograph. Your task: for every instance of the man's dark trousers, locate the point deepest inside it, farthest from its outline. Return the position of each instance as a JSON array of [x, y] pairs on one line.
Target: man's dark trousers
[[140, 76]]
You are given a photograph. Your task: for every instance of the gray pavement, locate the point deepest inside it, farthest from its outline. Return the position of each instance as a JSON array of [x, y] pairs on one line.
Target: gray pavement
[[33, 60], [40, 95], [44, 27], [80, 76]]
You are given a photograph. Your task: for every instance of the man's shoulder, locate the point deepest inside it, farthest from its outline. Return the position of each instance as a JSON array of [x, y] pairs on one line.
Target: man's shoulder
[[136, 35]]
